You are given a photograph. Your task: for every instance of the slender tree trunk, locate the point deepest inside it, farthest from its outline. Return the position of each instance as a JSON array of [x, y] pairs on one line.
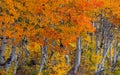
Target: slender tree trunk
[[2, 50], [97, 42], [42, 60], [67, 59], [11, 58], [101, 65], [25, 48], [74, 70], [115, 55], [115, 51], [78, 55], [15, 66], [53, 48], [17, 59], [111, 53], [44, 50]]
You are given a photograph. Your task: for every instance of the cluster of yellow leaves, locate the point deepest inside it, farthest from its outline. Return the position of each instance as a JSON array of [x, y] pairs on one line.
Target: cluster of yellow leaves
[[57, 65]]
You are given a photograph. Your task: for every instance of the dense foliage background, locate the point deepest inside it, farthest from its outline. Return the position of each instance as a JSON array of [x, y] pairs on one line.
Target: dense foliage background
[[59, 37]]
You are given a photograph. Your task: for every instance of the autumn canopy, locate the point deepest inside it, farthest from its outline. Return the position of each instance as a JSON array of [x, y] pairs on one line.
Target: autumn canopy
[[52, 35]]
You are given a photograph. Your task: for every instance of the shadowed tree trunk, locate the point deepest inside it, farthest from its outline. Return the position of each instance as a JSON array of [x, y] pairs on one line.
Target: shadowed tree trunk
[[25, 48], [2, 49]]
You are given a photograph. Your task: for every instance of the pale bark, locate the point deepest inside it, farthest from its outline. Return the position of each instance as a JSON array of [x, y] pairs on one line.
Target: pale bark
[[17, 59], [115, 51], [2, 50], [74, 70], [44, 51], [115, 55], [15, 66], [42, 60], [101, 65], [107, 39], [78, 55], [111, 53], [67, 59], [11, 58]]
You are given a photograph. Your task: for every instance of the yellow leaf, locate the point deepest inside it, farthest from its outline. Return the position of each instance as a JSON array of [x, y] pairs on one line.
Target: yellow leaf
[[40, 73], [72, 44]]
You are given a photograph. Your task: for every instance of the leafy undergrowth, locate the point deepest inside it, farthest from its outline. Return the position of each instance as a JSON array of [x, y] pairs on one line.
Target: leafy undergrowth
[[27, 71]]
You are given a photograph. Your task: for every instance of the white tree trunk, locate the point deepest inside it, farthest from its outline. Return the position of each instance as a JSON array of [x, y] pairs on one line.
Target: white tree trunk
[[44, 51], [78, 55]]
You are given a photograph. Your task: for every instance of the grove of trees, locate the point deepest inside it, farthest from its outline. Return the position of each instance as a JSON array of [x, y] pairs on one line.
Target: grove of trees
[[59, 37]]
